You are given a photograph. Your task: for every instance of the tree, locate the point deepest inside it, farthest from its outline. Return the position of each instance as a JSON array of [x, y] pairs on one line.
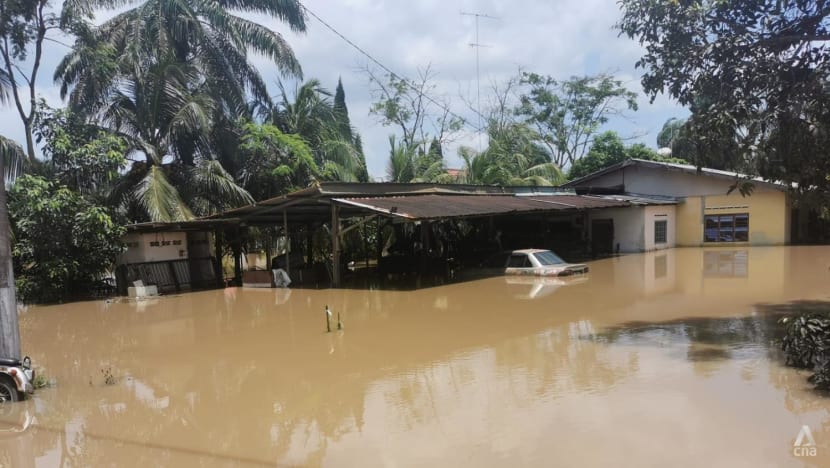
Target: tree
[[608, 149], [79, 155], [273, 162], [309, 114], [207, 35], [64, 241], [11, 157], [568, 114], [411, 107], [752, 72], [23, 25], [341, 112], [166, 126]]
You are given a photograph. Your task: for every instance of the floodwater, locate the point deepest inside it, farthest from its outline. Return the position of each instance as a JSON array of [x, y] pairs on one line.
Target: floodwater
[[659, 359]]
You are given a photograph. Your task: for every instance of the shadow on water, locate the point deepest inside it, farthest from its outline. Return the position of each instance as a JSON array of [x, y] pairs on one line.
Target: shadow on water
[[715, 338]]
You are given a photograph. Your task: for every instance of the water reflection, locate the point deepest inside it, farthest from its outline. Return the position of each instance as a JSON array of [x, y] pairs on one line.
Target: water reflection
[[485, 373]]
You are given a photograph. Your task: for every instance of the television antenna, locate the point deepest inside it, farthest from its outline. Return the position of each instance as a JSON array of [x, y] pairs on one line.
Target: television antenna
[[478, 45]]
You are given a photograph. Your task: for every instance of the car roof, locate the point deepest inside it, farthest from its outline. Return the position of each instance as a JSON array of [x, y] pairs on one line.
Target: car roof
[[527, 251]]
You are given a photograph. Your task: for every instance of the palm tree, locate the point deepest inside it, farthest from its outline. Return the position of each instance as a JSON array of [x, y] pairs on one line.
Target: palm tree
[[513, 157], [11, 160], [310, 114], [166, 119], [202, 32], [401, 167]]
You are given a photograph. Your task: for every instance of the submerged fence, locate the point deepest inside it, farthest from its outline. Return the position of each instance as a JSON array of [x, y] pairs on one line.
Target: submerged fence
[[170, 275]]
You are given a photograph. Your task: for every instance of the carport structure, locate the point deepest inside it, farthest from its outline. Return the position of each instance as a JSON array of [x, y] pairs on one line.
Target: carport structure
[[344, 206]]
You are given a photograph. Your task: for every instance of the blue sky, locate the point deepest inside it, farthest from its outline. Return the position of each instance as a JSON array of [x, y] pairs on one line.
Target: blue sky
[[560, 38]]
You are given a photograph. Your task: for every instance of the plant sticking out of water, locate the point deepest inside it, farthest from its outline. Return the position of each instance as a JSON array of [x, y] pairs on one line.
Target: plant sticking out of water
[[806, 345], [42, 381], [109, 379], [108, 376]]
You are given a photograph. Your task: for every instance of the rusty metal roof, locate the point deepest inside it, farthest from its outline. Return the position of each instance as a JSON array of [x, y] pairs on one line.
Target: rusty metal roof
[[456, 206]]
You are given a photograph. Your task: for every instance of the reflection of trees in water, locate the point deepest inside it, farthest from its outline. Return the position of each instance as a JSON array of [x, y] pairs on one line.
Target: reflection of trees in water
[[706, 342]]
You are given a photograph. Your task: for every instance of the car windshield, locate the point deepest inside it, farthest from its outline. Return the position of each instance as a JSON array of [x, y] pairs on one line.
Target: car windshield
[[548, 258]]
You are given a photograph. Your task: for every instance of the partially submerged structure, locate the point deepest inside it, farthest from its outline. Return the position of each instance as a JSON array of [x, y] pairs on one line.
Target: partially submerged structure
[[403, 227], [706, 211], [633, 206]]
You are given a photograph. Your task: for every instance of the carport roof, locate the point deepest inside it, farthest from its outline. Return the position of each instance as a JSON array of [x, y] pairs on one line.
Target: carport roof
[[436, 206], [403, 201]]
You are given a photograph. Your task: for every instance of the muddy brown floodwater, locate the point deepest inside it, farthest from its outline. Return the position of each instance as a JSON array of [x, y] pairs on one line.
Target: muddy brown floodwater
[[659, 359]]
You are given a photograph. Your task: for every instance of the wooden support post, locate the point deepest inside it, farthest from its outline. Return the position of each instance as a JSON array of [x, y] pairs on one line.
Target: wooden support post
[[217, 257], [287, 243], [309, 244], [237, 258], [335, 245]]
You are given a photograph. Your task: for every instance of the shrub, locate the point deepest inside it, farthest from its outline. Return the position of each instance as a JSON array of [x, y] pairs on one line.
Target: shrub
[[806, 345]]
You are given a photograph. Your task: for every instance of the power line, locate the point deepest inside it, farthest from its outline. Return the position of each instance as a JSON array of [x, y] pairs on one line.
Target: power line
[[377, 62]]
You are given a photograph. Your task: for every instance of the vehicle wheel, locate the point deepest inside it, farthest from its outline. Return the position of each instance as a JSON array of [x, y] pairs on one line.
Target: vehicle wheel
[[8, 392]]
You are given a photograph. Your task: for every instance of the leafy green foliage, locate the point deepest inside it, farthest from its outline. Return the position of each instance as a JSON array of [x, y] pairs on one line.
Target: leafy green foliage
[[568, 114], [274, 162], [310, 115], [608, 149], [754, 73], [81, 156], [806, 344], [64, 242]]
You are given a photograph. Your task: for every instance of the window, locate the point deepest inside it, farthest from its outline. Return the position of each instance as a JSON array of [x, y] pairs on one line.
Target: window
[[519, 261], [548, 258], [660, 229], [726, 228]]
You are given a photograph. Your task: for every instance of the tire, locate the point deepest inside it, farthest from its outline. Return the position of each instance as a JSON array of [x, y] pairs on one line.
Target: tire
[[8, 392]]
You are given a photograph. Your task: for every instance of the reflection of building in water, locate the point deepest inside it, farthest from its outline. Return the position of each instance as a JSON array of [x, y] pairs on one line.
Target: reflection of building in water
[[726, 263]]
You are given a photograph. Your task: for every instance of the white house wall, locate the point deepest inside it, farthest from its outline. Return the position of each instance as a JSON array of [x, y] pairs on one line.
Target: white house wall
[[628, 226], [659, 213], [154, 247]]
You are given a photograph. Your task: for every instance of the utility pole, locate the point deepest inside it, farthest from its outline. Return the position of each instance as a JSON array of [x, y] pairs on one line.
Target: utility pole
[[9, 328], [477, 45]]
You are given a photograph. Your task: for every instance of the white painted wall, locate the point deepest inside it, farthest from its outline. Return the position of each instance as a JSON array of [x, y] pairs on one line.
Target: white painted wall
[[671, 183], [659, 213], [628, 226], [154, 247]]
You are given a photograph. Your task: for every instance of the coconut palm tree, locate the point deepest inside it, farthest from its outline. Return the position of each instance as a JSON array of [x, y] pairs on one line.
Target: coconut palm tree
[[165, 116], [203, 32], [513, 157], [309, 113]]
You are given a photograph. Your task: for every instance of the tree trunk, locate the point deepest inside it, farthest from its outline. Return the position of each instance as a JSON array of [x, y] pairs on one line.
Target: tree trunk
[[9, 328], [30, 144]]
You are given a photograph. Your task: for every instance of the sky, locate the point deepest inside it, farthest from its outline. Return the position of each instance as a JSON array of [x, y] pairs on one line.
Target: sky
[[561, 38]]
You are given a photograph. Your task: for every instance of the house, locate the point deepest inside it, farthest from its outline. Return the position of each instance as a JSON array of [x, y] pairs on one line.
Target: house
[[707, 212], [171, 256]]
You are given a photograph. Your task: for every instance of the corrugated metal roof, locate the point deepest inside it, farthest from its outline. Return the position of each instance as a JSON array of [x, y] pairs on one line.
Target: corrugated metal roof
[[687, 168], [457, 206]]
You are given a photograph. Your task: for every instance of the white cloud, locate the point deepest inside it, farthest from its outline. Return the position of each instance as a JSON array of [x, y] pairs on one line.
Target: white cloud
[[562, 38]]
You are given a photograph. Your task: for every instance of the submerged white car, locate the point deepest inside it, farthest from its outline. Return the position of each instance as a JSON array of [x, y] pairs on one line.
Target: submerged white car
[[534, 262]]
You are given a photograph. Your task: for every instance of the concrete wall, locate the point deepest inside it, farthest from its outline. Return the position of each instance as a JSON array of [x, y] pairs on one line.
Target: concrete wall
[[769, 209], [769, 217], [628, 226], [154, 247], [660, 213]]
